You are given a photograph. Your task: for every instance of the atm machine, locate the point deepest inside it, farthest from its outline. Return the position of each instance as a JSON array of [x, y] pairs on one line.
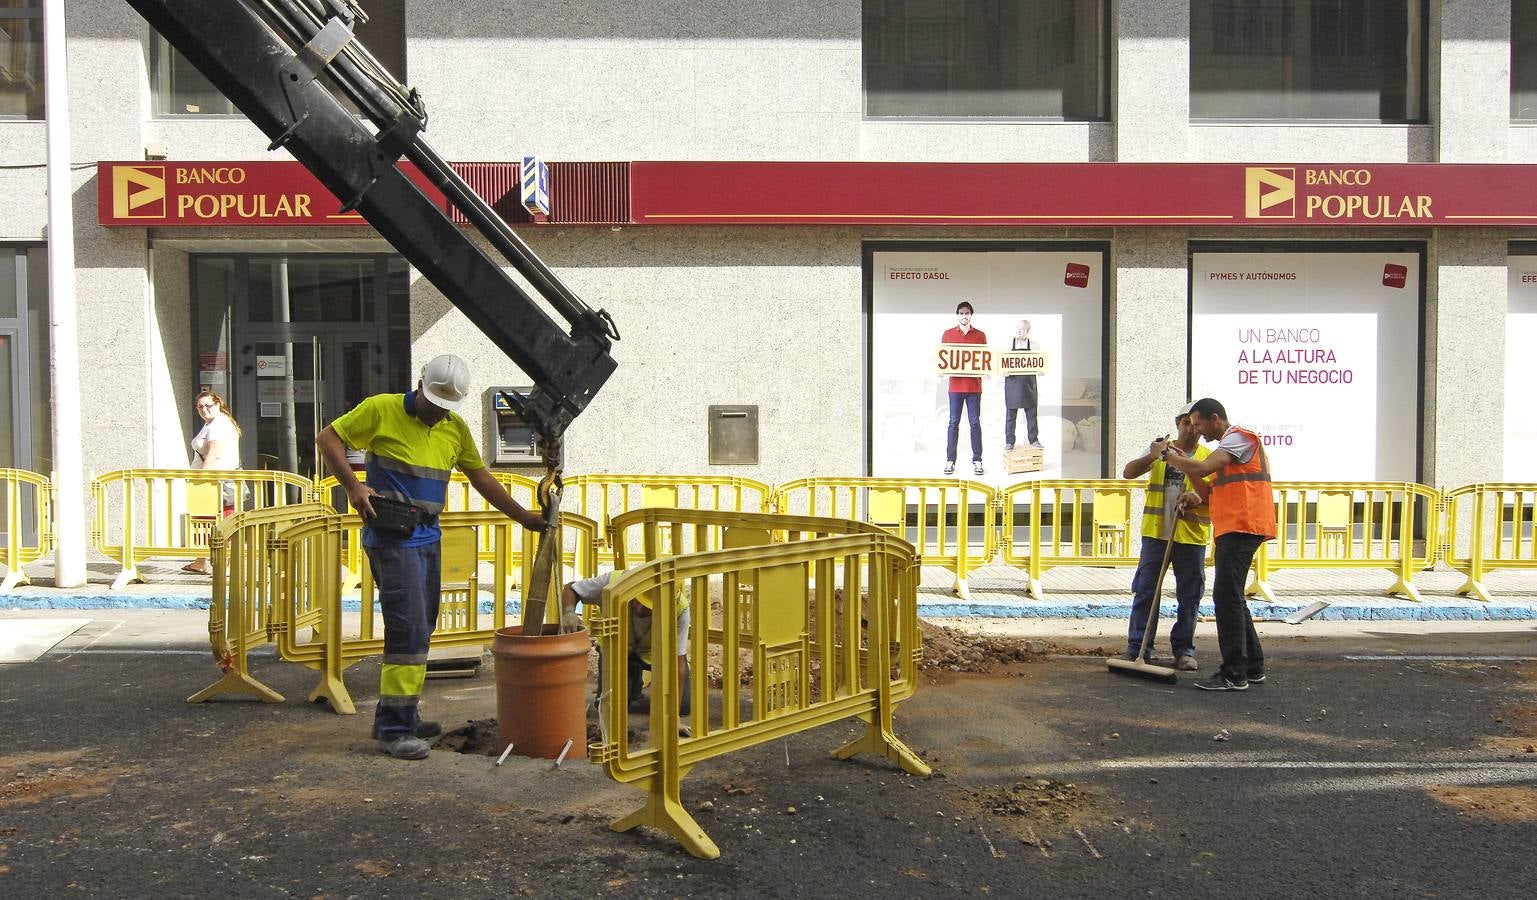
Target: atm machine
[[512, 437]]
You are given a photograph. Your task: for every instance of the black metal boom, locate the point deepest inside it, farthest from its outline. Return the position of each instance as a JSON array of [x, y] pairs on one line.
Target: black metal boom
[[268, 56]]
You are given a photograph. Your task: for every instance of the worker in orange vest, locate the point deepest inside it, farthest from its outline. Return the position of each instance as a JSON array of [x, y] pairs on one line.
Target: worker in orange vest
[[1242, 517]]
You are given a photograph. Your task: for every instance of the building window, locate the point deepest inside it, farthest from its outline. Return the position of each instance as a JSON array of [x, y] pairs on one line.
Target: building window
[[21, 59], [1523, 60], [959, 59], [181, 90], [1352, 60]]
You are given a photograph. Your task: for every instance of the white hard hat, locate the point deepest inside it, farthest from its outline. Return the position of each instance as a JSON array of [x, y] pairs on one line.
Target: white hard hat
[[446, 381]]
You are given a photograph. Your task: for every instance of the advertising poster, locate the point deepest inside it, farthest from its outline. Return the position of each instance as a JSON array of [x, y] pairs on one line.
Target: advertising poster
[[1520, 401], [1032, 349], [1318, 352]]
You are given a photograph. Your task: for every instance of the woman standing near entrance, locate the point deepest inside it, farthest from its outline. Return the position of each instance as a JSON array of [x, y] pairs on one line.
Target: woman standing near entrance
[[217, 446]]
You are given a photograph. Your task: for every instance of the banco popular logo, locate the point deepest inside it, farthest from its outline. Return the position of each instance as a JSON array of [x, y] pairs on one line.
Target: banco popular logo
[[1269, 193], [138, 192]]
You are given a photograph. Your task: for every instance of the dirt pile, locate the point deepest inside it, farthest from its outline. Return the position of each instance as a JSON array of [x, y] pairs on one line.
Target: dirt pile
[[959, 651], [1039, 800]]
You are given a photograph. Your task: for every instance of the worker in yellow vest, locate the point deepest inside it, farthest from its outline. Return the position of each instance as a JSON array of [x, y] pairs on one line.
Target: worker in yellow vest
[[590, 590], [1169, 496]]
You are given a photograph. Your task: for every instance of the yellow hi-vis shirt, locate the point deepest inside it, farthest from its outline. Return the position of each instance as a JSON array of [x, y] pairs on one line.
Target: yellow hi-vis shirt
[[1192, 528]]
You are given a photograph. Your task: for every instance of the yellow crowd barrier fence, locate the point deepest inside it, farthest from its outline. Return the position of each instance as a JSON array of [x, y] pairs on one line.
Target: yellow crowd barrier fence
[[831, 632], [283, 578], [1352, 525], [247, 587], [950, 520], [28, 523], [1489, 526], [1051, 523], [603, 497], [142, 514]]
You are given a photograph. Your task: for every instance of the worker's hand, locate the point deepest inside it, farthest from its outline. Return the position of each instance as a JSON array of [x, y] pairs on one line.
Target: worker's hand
[[1174, 451], [1189, 500], [358, 497], [531, 521], [570, 621], [1158, 446]]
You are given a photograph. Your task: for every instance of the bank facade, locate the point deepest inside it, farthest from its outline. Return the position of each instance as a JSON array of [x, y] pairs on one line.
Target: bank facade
[[1318, 212]]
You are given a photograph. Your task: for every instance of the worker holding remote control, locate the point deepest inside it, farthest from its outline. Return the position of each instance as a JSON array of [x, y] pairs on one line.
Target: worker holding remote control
[[413, 442]]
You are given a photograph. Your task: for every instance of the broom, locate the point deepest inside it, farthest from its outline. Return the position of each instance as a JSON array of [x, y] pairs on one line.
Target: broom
[[1140, 667]]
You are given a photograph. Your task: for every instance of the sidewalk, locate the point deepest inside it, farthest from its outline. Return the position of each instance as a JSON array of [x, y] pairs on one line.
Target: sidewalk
[[997, 591]]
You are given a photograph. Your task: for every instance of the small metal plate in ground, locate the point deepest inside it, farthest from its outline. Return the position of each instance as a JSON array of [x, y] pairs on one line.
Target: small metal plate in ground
[[23, 640]]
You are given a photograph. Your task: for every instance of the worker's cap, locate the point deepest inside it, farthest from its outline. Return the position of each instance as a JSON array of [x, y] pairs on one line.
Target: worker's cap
[[644, 598], [1185, 410], [446, 381]]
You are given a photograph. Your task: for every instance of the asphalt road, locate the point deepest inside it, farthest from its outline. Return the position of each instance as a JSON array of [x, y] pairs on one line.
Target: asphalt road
[[1404, 776]]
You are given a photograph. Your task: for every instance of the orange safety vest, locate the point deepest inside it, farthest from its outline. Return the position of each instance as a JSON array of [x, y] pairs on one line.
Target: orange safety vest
[[1241, 496]]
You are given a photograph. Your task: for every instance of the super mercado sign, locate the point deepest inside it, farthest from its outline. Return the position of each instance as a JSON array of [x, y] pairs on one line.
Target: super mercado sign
[[167, 194]]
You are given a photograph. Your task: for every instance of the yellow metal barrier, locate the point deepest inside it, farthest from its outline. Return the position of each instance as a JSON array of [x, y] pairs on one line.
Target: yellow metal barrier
[[246, 589], [309, 555], [1497, 523], [1089, 522], [949, 519], [811, 603], [1351, 525], [603, 497], [146, 513], [462, 497], [28, 523]]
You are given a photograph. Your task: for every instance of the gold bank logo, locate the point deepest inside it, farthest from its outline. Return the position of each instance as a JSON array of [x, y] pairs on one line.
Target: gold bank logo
[[138, 192], [1270, 193]]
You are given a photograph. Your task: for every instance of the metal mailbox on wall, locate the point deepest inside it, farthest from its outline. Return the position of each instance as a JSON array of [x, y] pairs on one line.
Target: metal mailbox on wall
[[733, 435]]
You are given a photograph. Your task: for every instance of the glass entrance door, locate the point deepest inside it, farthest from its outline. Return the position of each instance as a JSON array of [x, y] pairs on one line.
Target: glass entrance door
[[298, 383]]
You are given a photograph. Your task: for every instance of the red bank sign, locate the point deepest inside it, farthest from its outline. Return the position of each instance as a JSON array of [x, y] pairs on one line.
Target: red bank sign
[[164, 194], [1118, 194]]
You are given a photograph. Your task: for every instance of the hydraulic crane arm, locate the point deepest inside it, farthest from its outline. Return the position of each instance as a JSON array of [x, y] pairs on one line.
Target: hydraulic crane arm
[[268, 57]]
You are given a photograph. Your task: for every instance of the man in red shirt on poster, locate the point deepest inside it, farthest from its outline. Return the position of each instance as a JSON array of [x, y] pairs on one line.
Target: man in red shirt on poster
[[964, 391]]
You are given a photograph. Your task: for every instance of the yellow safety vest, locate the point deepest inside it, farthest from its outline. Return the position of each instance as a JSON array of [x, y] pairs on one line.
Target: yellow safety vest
[[1193, 527], [640, 628]]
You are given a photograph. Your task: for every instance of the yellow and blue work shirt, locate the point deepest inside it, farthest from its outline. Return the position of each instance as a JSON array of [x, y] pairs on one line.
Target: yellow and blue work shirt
[[1165, 484], [406, 459]]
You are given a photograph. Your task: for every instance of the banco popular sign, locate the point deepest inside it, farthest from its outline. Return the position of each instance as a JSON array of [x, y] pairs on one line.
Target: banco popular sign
[[169, 194]]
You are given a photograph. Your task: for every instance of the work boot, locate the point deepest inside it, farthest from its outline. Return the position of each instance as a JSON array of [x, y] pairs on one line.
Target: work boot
[[1186, 663], [405, 747], [427, 729]]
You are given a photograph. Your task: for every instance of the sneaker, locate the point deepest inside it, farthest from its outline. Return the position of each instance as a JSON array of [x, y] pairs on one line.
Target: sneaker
[[950, 467], [1220, 682], [1256, 677], [1007, 447], [405, 747], [1186, 663], [1037, 445], [976, 467], [427, 729]]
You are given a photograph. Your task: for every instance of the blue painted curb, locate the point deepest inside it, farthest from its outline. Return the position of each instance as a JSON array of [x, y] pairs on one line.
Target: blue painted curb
[[1354, 611]]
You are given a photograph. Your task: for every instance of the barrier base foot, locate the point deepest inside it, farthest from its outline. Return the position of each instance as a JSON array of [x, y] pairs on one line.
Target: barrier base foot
[[879, 743], [1261, 589], [235, 682], [12, 578], [666, 814], [1403, 587], [125, 578], [961, 589], [1034, 588], [1476, 588], [334, 692]]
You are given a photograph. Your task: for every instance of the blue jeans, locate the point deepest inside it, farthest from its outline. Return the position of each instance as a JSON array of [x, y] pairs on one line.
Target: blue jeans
[[972, 400], [1188, 562], [409, 591]]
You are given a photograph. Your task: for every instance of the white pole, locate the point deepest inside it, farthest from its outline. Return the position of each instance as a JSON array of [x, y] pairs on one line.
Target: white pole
[[64, 385]]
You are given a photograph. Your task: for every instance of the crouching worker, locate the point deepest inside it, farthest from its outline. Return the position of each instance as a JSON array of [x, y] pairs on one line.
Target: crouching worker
[[590, 590]]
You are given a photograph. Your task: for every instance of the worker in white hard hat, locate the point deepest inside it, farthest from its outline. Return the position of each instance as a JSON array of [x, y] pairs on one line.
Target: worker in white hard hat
[[413, 442], [590, 590]]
